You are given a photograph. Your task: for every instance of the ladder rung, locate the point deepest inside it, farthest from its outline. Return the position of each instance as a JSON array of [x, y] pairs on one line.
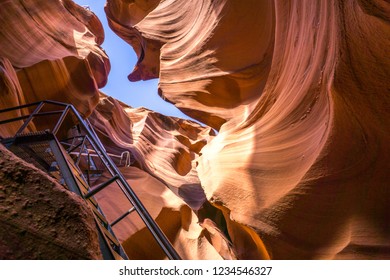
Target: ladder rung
[[116, 255], [93, 172], [122, 216], [110, 236], [93, 201], [74, 178], [98, 214], [109, 248], [100, 187]]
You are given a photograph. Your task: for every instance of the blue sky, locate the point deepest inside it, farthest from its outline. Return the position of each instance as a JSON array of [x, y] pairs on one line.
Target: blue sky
[[123, 59]]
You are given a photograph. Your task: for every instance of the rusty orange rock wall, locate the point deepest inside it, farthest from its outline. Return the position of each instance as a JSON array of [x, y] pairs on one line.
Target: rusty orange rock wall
[[63, 61], [202, 52], [299, 94], [163, 175], [56, 42], [299, 91], [39, 218]]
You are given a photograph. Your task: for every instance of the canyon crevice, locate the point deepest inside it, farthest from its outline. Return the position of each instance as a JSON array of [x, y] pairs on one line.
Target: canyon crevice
[[298, 92]]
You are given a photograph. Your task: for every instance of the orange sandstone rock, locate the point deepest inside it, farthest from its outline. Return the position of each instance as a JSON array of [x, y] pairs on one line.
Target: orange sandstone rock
[[163, 175], [39, 218], [56, 42], [299, 92], [165, 147], [202, 52]]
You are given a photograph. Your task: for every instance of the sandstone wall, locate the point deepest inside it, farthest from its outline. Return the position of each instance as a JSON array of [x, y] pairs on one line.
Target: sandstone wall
[[39, 218], [299, 92]]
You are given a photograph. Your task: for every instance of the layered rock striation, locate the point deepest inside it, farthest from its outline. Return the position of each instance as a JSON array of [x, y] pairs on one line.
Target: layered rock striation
[[50, 50], [297, 90], [163, 175]]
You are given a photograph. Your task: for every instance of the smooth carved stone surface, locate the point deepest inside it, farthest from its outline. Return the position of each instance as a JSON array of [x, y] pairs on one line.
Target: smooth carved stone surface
[[48, 50], [165, 147], [163, 175], [56, 42], [208, 68], [70, 68], [11, 95], [299, 92], [40, 219], [193, 240]]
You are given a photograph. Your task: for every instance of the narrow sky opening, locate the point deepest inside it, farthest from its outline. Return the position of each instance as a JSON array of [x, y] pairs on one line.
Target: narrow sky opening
[[123, 59]]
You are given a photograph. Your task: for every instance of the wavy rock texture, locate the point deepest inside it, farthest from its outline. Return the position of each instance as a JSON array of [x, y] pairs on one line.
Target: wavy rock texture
[[163, 175], [165, 147], [205, 64], [297, 89], [56, 42], [299, 92], [48, 50]]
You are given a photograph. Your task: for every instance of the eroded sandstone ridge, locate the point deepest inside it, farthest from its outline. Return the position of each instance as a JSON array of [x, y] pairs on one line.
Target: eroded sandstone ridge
[[164, 152], [297, 90], [48, 50], [51, 50]]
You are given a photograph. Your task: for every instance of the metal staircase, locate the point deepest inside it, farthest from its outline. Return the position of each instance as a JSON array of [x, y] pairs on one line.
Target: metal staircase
[[71, 152]]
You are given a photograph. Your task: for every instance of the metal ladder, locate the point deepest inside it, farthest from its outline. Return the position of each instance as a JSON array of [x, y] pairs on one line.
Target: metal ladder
[[77, 162]]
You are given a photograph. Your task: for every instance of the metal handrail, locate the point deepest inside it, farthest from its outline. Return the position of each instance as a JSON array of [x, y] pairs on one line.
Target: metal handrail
[[155, 230]]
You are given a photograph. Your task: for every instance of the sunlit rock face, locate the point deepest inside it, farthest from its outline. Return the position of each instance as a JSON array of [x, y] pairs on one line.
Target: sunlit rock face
[[299, 92], [50, 50], [164, 147], [202, 51], [162, 173]]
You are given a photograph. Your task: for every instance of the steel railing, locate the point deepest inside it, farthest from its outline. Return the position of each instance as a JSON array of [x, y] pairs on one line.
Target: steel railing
[[99, 151]]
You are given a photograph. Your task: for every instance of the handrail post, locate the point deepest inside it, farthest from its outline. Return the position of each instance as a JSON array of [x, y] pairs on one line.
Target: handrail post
[[155, 230], [117, 176], [37, 109], [61, 120]]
